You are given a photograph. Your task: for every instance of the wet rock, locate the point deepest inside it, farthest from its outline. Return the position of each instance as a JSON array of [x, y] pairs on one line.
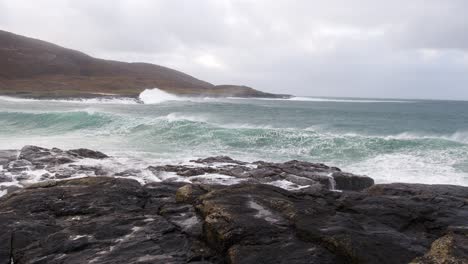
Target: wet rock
[[449, 249], [21, 177], [114, 220], [183, 170], [188, 193], [37, 155], [7, 155], [300, 173], [351, 182], [127, 173], [87, 153], [52, 157], [253, 224], [5, 178], [9, 188], [219, 159], [100, 220], [18, 165]]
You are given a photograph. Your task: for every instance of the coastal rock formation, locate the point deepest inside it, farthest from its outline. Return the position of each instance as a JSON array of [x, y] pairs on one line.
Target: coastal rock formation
[[32, 164], [120, 220]]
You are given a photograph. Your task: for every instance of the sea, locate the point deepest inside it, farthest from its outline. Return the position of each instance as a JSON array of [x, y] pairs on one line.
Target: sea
[[390, 140]]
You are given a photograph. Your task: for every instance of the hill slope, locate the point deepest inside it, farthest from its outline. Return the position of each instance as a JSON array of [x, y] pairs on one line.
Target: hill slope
[[35, 68]]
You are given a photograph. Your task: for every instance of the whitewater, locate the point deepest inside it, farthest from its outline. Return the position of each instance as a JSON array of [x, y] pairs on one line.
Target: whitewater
[[390, 140]]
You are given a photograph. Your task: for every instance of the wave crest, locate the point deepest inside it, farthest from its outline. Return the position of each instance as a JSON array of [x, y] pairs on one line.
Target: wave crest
[[157, 96]]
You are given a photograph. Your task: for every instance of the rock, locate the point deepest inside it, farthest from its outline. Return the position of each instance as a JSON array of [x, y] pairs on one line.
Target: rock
[[189, 193], [7, 155], [46, 157], [9, 188], [5, 178], [351, 182], [43, 156], [295, 175], [19, 165], [101, 220], [183, 170], [252, 224], [127, 173], [87, 153], [303, 174], [449, 249], [117, 220], [219, 159], [114, 220]]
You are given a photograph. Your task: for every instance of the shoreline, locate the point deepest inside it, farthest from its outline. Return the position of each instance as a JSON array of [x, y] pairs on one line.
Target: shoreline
[[81, 214]]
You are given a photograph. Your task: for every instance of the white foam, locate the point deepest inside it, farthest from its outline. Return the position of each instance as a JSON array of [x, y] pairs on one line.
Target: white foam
[[173, 117], [16, 99], [321, 99], [157, 96], [214, 178], [113, 100], [459, 136], [317, 99], [410, 168], [287, 185]]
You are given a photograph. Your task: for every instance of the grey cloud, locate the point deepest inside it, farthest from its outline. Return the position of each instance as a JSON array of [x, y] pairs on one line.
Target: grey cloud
[[361, 48]]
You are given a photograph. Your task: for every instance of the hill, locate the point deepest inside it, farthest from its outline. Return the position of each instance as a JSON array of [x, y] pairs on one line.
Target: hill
[[38, 69]]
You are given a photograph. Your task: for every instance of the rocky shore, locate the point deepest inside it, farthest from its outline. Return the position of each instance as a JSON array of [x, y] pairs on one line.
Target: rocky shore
[[54, 209]]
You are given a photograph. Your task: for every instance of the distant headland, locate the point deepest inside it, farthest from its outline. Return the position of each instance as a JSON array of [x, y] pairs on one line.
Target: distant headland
[[37, 69]]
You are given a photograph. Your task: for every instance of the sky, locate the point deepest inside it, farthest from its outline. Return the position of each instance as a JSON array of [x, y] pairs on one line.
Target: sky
[[353, 48]]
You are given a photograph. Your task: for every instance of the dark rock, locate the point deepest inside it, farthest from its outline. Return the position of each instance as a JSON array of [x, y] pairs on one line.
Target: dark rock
[[219, 159], [19, 165], [5, 178], [126, 173], [351, 182], [7, 155], [304, 174], [42, 156], [9, 188], [116, 220], [183, 170], [253, 224], [102, 220], [113, 220], [87, 153]]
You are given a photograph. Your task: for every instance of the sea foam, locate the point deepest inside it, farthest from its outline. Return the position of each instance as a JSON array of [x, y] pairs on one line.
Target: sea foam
[[156, 96]]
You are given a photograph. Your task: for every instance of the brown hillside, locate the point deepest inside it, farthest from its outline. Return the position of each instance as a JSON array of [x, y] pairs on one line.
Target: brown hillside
[[35, 68]]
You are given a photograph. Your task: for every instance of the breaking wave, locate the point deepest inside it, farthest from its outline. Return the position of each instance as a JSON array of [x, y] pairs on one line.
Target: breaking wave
[[364, 141], [156, 96]]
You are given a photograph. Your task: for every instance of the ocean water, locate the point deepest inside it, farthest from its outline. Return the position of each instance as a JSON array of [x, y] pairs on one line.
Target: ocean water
[[390, 140]]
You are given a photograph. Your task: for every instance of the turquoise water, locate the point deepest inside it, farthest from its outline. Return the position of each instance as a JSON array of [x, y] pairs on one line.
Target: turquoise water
[[389, 140]]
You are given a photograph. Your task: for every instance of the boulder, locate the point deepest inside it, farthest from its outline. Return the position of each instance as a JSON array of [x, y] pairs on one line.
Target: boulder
[[350, 182], [87, 153]]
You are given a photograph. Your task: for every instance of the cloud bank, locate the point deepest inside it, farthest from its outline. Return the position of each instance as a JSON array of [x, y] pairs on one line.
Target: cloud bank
[[360, 48]]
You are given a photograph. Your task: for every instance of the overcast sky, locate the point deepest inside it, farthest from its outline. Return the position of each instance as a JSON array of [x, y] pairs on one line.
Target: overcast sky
[[352, 48]]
